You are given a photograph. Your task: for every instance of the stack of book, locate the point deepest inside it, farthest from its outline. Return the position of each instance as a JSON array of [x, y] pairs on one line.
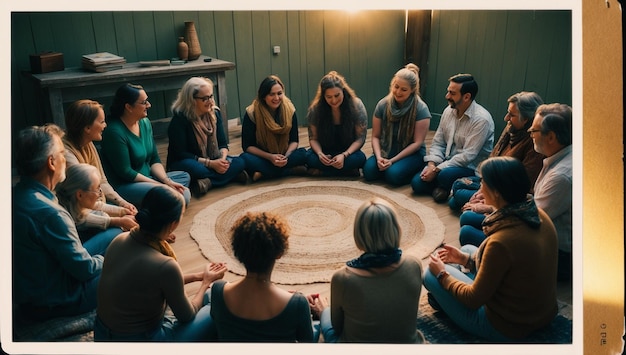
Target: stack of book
[[102, 62]]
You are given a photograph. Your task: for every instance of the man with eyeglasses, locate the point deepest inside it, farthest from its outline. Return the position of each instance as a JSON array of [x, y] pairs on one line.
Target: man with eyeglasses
[[54, 274], [551, 132]]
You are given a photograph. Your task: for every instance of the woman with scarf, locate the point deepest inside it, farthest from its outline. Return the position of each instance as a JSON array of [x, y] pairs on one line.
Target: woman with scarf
[[516, 142], [337, 129], [141, 278], [510, 290], [374, 298], [399, 126], [269, 134], [197, 141]]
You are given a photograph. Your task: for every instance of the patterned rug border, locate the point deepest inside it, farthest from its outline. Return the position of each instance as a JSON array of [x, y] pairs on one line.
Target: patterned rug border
[[438, 328], [213, 250]]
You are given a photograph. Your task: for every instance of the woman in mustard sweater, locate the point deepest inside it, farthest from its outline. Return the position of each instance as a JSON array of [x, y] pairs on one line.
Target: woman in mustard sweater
[[510, 290]]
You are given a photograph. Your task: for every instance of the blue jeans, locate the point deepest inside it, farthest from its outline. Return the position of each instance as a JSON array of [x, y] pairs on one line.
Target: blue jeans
[[326, 327], [471, 231], [86, 303], [473, 321], [462, 190], [352, 162], [444, 180], [201, 328], [398, 174], [268, 170], [99, 242], [134, 192], [197, 170]]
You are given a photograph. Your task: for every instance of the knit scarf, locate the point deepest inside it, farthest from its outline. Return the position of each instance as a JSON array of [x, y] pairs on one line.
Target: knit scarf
[[525, 211], [204, 128], [404, 115], [379, 259], [272, 136], [161, 246], [509, 138]]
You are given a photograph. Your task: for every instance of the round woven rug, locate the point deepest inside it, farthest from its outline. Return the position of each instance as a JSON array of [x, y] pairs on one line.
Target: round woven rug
[[321, 215]]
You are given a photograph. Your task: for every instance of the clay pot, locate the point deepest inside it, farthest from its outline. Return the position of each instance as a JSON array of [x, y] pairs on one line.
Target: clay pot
[[191, 37], [182, 49]]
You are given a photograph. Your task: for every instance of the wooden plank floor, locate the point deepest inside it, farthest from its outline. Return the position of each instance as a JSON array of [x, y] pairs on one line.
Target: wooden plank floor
[[191, 258]]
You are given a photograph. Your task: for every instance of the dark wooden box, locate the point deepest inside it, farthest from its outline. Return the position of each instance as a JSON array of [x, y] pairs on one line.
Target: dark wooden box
[[46, 62]]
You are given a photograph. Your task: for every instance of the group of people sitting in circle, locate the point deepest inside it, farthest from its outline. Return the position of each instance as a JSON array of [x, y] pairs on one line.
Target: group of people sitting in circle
[[92, 227]]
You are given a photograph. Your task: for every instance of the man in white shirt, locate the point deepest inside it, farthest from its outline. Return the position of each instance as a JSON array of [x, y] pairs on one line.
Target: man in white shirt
[[551, 132], [463, 139]]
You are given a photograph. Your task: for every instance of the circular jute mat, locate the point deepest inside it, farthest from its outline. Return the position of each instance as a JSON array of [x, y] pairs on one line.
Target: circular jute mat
[[320, 215]]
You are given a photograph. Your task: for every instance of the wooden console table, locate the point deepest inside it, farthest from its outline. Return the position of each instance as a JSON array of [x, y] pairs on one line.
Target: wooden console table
[[73, 84]]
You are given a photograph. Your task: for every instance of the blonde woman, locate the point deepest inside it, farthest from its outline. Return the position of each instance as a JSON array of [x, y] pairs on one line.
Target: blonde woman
[[374, 298], [399, 126]]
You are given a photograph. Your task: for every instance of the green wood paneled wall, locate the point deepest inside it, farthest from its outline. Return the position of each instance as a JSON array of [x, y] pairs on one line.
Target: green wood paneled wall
[[366, 47], [506, 51]]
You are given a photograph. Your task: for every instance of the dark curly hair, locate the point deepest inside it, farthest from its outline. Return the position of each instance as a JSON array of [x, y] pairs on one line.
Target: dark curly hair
[[258, 239]]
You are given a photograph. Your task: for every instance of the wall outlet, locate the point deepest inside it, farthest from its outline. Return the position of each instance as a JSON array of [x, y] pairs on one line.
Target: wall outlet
[[276, 49]]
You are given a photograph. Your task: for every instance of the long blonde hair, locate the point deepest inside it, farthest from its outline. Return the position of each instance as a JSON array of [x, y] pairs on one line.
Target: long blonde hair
[[410, 73]]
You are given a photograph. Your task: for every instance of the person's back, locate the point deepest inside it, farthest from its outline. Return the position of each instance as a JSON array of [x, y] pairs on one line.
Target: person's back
[[131, 290], [254, 308], [378, 308], [287, 325]]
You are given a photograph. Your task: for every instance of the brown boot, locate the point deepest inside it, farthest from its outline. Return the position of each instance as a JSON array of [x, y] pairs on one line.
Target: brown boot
[[440, 195], [202, 186], [242, 178], [257, 176]]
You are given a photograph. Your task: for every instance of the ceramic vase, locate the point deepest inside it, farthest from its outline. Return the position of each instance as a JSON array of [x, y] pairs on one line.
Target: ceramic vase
[[183, 49], [191, 37]]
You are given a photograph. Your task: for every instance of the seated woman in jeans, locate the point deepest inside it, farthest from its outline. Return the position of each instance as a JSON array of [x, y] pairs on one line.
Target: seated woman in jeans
[[129, 154], [337, 129], [141, 278], [511, 288], [399, 128], [197, 141], [374, 298], [269, 134]]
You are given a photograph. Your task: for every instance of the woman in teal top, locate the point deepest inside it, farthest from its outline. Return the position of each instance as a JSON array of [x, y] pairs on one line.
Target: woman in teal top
[[129, 153]]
